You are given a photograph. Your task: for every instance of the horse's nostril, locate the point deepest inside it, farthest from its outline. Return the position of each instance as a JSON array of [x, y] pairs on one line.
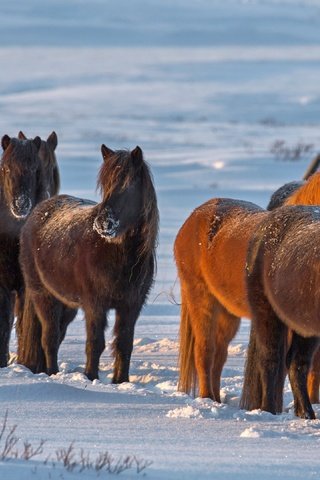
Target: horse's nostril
[[110, 224]]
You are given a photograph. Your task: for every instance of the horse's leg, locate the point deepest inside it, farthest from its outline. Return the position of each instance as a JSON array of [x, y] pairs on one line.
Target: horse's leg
[[126, 318], [271, 336], [95, 325], [299, 359], [314, 378], [48, 310], [18, 310], [226, 327], [6, 322], [201, 306], [68, 314]]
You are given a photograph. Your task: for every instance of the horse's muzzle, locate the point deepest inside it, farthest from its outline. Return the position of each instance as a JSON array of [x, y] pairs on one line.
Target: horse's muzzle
[[21, 206], [106, 226]]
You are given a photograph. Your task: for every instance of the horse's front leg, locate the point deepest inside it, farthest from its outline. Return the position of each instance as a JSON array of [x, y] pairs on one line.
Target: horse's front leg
[[299, 359], [49, 310], [95, 325], [126, 318], [6, 322]]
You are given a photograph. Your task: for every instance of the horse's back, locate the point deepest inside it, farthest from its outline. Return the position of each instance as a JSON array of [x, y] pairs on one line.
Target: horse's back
[[280, 196], [211, 248]]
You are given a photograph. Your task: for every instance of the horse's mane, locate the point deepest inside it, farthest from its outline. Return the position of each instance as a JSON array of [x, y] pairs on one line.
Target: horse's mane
[[307, 194], [118, 171], [51, 166]]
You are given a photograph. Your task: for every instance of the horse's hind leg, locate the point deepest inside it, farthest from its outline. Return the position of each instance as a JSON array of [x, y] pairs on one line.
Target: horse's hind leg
[[201, 306], [299, 359], [6, 322], [267, 358], [126, 318], [48, 310], [226, 327], [314, 378], [67, 315]]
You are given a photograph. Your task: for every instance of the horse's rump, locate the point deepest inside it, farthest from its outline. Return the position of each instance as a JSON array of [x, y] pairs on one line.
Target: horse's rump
[[211, 247], [285, 247]]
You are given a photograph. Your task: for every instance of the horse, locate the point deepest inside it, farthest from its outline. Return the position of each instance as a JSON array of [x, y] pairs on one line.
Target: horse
[[97, 256], [48, 157], [292, 194], [210, 252], [51, 186], [22, 186], [283, 279]]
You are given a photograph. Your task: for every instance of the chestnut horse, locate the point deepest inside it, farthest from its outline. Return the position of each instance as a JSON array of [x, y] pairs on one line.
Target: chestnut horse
[[210, 251], [22, 186], [283, 291], [76, 253]]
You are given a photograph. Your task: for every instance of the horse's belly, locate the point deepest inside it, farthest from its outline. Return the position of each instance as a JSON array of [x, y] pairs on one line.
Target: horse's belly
[[293, 293], [226, 272]]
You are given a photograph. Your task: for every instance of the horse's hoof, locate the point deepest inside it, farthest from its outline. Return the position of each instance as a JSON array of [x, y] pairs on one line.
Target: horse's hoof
[[306, 415], [116, 380], [3, 361], [91, 376]]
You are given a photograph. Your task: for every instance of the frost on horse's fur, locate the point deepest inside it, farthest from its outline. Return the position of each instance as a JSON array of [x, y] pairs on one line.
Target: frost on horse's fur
[[211, 255], [76, 253]]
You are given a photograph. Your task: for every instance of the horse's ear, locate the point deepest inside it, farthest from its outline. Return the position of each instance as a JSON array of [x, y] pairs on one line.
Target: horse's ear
[[37, 142], [106, 152], [52, 140], [5, 141], [137, 155], [21, 136]]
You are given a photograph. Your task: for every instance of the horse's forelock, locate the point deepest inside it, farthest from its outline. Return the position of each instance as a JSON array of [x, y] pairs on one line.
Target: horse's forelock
[[116, 173], [19, 150]]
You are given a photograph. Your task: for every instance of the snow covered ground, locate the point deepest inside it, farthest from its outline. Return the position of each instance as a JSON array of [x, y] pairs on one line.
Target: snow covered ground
[[218, 95]]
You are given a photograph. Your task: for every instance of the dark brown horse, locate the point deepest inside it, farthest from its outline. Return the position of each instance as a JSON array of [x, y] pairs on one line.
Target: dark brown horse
[[210, 251], [22, 186], [283, 280], [292, 194], [51, 186], [75, 253], [48, 157]]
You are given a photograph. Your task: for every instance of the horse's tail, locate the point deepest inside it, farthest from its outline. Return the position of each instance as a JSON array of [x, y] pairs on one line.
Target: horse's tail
[[251, 392], [187, 370], [30, 352]]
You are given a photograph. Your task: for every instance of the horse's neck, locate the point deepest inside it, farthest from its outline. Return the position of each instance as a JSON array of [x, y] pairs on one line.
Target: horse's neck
[[308, 193]]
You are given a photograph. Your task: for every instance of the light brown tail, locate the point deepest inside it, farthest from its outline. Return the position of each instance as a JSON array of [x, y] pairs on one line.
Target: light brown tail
[[187, 371], [30, 352]]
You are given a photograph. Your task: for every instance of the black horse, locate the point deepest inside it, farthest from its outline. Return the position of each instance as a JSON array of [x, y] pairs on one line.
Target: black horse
[[22, 186], [75, 253]]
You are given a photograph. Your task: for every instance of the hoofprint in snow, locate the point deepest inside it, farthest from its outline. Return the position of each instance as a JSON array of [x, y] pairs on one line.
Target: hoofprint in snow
[[219, 95]]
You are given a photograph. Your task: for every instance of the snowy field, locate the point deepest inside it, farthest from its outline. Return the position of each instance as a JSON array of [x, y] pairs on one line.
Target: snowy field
[[219, 95]]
